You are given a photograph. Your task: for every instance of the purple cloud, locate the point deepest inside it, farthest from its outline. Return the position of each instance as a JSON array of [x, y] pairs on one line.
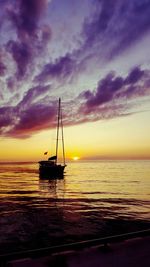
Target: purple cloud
[[22, 54], [112, 98], [114, 27], [107, 87], [5, 117], [19, 123], [26, 17], [107, 32], [33, 119], [2, 69], [10, 82], [135, 75], [99, 23], [61, 68], [113, 88], [30, 115], [32, 94], [32, 35]]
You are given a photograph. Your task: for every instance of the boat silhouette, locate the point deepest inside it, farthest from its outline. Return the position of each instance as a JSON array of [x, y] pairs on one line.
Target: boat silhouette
[[51, 168]]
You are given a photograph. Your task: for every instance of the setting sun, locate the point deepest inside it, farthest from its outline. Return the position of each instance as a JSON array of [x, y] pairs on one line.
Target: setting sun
[[75, 158]]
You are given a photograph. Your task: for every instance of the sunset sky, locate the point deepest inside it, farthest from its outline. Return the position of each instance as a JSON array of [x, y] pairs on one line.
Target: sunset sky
[[95, 55]]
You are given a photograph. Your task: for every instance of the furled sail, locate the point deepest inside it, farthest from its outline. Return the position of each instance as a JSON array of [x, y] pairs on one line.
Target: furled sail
[[52, 158]]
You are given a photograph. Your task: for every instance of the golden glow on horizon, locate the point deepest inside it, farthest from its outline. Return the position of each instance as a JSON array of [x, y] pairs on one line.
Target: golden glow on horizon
[[121, 138], [75, 158]]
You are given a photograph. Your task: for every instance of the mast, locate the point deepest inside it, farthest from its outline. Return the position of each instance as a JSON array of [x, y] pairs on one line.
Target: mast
[[58, 124], [62, 135]]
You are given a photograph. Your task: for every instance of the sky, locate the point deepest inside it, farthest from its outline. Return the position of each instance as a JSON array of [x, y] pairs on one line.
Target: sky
[[94, 55]]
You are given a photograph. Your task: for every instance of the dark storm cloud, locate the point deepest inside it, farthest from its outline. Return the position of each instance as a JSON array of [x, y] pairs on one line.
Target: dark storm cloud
[[117, 25]]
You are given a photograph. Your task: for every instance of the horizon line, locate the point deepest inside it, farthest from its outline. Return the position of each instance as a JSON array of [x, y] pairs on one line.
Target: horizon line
[[83, 159]]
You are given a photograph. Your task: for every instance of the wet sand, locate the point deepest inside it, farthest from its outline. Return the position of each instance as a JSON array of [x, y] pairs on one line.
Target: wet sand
[[132, 252]]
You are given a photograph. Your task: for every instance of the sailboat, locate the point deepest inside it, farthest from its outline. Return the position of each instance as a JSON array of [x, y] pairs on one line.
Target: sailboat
[[51, 168]]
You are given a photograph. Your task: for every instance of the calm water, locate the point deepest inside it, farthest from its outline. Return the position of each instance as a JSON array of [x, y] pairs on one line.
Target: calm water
[[94, 199]]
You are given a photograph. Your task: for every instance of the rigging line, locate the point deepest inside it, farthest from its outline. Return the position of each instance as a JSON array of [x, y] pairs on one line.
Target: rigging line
[[57, 129], [62, 134]]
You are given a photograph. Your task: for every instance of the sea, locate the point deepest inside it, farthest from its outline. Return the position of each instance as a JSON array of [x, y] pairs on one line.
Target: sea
[[95, 199]]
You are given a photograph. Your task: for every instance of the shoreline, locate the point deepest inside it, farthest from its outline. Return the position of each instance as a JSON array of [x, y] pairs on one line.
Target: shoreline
[[132, 250]]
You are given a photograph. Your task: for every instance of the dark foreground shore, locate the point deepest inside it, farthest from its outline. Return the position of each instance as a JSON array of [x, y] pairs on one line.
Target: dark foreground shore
[[130, 252]]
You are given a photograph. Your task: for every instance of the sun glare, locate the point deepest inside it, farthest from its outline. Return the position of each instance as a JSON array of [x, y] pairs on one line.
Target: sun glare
[[75, 158]]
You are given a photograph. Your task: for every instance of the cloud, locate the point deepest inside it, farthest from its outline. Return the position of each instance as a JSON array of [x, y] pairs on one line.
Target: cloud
[[60, 69], [18, 123], [33, 119], [29, 36], [26, 17], [105, 90], [109, 31], [25, 67], [115, 90], [114, 27], [2, 69], [5, 117], [22, 54], [113, 97], [30, 115], [33, 113], [134, 76], [33, 94]]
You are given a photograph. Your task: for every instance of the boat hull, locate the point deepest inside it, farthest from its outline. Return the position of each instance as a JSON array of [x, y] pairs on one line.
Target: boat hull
[[51, 172]]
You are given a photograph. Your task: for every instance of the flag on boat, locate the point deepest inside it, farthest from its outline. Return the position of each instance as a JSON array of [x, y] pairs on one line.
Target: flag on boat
[[52, 158], [45, 153]]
